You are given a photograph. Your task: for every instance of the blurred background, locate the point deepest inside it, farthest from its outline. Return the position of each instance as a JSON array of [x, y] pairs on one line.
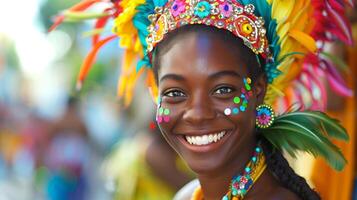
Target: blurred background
[[58, 143]]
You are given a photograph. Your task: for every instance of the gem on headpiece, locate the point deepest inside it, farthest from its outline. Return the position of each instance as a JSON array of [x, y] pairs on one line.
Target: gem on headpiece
[[159, 10], [226, 9], [238, 10], [202, 9], [220, 24], [178, 8], [249, 8]]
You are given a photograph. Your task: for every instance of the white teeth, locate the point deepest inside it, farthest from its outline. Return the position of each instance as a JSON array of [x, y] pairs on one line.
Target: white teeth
[[205, 139]]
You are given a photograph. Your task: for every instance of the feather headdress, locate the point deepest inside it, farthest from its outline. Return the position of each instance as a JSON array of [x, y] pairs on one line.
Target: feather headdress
[[289, 34]]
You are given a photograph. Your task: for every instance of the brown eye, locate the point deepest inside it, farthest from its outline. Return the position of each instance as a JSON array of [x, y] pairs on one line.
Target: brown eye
[[174, 93], [224, 90]]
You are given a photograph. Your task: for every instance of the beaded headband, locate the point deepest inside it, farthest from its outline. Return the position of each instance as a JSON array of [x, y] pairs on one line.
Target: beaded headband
[[224, 14]]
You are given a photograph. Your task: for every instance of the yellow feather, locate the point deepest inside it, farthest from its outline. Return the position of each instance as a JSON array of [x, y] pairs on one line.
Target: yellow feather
[[304, 39], [281, 9], [282, 31]]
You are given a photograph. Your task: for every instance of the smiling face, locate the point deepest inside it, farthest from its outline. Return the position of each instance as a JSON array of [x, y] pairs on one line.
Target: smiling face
[[201, 77]]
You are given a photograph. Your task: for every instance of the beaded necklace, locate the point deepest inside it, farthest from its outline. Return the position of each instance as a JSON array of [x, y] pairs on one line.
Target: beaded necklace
[[242, 183]]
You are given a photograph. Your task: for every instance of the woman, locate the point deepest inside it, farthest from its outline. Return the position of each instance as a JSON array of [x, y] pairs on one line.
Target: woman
[[214, 66]]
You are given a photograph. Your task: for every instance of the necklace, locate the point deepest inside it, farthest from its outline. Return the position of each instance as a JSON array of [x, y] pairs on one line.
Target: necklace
[[242, 183]]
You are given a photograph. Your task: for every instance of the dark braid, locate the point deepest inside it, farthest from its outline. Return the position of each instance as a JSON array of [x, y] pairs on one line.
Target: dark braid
[[280, 168]]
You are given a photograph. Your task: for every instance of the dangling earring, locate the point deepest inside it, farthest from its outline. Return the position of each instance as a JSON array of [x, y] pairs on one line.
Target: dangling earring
[[265, 116]]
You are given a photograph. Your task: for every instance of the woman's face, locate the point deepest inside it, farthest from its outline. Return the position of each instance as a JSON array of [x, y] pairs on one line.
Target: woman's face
[[207, 107]]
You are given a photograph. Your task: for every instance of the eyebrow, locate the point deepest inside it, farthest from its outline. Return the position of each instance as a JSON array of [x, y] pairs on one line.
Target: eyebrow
[[212, 76], [224, 73], [172, 76]]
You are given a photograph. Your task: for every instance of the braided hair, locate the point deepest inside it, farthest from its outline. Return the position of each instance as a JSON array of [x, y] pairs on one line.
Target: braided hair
[[280, 168]]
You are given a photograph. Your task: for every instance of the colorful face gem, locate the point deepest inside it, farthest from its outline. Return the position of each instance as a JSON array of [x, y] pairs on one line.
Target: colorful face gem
[[236, 100], [242, 101], [227, 111], [264, 116], [163, 115], [235, 111]]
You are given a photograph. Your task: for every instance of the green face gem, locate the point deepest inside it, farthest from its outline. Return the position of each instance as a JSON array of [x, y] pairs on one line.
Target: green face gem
[[236, 100], [247, 87], [166, 112], [161, 111], [245, 103]]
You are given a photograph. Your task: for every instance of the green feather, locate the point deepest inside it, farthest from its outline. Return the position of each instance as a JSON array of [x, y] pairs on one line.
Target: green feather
[[308, 131]]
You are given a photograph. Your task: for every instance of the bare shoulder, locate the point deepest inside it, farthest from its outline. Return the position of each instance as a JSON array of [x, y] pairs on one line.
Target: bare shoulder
[[281, 193]]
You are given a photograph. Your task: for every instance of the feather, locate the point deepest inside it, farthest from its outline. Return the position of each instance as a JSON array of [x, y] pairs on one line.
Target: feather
[[281, 9], [339, 63], [304, 39], [343, 29], [308, 131], [88, 62], [99, 24], [77, 7]]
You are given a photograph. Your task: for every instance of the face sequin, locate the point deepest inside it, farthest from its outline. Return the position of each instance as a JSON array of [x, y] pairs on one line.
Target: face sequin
[[162, 113], [227, 111], [241, 102]]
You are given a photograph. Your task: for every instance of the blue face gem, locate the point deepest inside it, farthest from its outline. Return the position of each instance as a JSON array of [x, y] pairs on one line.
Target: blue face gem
[[242, 108], [235, 111]]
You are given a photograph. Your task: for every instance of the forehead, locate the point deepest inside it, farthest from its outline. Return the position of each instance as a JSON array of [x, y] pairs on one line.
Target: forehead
[[202, 54]]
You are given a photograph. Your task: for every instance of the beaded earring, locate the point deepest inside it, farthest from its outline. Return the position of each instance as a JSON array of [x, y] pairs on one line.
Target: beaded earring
[[265, 116]]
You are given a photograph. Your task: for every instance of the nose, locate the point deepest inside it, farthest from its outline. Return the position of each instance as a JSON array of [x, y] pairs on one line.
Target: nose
[[199, 110]]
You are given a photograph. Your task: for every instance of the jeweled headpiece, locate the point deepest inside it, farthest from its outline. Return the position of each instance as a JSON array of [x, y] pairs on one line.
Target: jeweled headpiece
[[224, 14]]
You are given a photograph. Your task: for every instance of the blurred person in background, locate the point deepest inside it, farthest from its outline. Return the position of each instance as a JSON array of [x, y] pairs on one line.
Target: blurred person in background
[[67, 156]]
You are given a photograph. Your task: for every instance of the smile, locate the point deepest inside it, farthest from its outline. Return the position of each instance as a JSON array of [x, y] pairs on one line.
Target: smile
[[205, 139]]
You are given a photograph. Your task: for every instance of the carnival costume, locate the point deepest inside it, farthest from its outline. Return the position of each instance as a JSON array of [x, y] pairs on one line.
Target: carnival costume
[[289, 35]]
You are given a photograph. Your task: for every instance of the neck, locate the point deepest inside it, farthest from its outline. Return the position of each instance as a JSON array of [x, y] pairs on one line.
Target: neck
[[215, 185]]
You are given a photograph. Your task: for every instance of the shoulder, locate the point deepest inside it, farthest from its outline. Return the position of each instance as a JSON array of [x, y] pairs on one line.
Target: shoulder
[[281, 193], [186, 191]]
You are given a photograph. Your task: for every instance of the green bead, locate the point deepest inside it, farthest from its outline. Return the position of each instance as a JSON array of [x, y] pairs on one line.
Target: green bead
[[234, 193], [166, 112], [225, 198], [161, 111], [247, 87], [236, 100]]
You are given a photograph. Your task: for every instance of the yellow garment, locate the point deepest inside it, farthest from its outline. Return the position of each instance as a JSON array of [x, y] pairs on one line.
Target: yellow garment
[[133, 179], [330, 184]]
